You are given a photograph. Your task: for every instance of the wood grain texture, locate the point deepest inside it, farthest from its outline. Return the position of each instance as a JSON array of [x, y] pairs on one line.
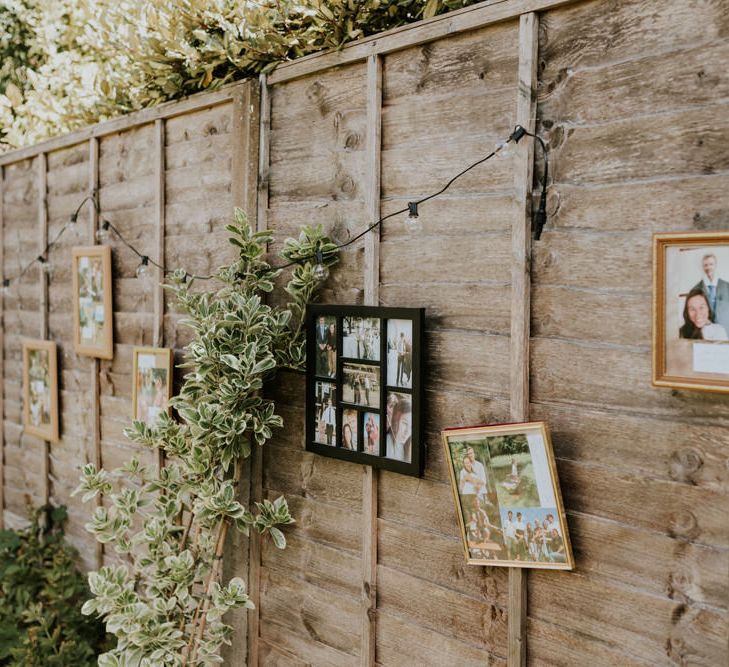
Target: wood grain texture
[[42, 188], [484, 14], [371, 298], [526, 103], [3, 275], [95, 455]]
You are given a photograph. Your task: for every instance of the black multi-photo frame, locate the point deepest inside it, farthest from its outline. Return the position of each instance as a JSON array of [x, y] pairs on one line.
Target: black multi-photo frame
[[364, 385]]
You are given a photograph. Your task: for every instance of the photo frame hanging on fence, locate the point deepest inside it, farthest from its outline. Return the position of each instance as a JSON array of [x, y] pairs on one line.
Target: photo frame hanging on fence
[[151, 383], [365, 386], [507, 496], [40, 389], [92, 307], [691, 311]]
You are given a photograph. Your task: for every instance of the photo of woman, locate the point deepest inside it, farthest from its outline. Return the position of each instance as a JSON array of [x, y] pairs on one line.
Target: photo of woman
[[698, 319], [372, 431], [399, 428], [350, 436]]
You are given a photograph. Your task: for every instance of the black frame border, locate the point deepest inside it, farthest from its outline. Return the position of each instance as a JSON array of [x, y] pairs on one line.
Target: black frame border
[[416, 466]]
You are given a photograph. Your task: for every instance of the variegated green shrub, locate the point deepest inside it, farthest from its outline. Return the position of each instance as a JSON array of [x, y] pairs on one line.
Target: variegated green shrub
[[165, 603], [70, 62]]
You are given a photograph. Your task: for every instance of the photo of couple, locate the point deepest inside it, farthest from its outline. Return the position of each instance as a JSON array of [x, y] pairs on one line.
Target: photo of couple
[[507, 495], [691, 310], [326, 347], [400, 353], [361, 384]]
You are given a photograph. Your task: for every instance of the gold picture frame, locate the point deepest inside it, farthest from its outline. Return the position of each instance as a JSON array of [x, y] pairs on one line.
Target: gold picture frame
[[93, 316], [151, 383], [40, 389], [690, 335], [507, 496]]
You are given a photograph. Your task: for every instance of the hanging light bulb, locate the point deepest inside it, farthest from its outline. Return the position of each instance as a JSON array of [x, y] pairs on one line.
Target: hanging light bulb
[[6, 286], [412, 222], [321, 271], [47, 268], [102, 234], [504, 149], [73, 220], [143, 268]]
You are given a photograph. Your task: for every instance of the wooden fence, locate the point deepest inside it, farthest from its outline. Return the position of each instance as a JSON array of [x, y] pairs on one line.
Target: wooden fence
[[631, 97]]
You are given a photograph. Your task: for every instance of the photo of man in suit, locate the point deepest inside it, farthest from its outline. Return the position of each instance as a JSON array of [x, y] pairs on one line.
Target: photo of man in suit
[[715, 289]]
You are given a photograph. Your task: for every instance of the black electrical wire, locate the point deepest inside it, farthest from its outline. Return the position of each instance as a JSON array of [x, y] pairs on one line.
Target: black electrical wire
[[412, 207]]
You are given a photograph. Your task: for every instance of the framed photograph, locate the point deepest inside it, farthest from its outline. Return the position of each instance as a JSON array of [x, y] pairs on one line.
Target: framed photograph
[[399, 353], [152, 383], [364, 385], [361, 338], [360, 384], [691, 311], [507, 496], [325, 331], [92, 309], [40, 389]]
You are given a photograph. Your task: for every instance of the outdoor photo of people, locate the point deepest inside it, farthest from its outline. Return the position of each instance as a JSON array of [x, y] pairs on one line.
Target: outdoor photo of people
[[326, 346], [506, 495], [372, 433], [533, 534], [152, 386], [326, 414], [361, 384], [694, 291], [400, 353], [361, 338]]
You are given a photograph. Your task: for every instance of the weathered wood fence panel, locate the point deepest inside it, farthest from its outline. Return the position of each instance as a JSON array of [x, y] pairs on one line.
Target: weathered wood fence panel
[[632, 100]]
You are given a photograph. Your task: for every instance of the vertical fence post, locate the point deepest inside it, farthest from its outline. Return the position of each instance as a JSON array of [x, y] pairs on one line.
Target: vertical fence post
[[42, 188], [257, 199], [2, 348], [159, 249], [520, 296], [95, 454], [371, 298]]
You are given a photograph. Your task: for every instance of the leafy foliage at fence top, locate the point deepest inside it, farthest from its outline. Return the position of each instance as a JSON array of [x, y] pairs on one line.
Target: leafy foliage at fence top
[[68, 63], [165, 603], [41, 593]]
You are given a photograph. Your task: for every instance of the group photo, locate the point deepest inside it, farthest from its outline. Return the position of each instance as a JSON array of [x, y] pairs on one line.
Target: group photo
[[361, 338], [533, 534]]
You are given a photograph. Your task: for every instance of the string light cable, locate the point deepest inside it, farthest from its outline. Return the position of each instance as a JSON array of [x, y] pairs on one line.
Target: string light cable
[[321, 271]]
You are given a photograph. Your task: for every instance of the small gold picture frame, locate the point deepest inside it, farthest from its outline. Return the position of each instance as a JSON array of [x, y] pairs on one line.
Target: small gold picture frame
[[40, 389], [151, 383], [93, 328], [691, 311], [507, 496]]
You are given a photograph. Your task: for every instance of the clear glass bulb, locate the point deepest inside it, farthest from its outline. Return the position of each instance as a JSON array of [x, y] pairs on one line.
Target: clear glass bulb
[[412, 224], [143, 270], [504, 149], [321, 272], [102, 235], [47, 268]]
